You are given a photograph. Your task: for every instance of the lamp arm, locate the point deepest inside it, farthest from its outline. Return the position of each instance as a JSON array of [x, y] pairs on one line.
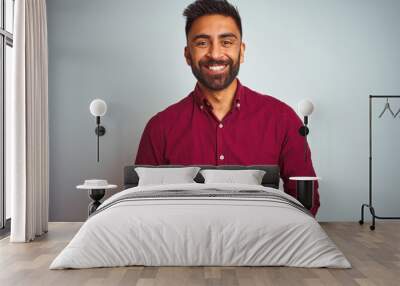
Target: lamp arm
[[305, 148], [98, 136], [304, 129], [304, 132]]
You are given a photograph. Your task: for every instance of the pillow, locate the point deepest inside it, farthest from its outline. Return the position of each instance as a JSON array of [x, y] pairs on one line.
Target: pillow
[[162, 176], [249, 177]]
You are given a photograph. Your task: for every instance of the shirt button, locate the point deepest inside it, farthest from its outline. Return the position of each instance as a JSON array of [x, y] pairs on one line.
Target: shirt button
[[201, 106], [220, 125], [238, 105], [221, 157]]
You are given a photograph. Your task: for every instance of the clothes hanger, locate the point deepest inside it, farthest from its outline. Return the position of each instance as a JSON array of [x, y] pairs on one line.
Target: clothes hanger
[[387, 107]]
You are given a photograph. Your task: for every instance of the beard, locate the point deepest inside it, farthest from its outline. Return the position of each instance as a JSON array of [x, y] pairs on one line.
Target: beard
[[220, 81]]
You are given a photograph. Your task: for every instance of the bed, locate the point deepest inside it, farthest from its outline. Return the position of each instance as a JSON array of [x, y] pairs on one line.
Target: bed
[[201, 224]]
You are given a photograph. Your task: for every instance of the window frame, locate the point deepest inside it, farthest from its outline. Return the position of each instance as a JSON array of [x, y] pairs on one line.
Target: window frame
[[6, 39]]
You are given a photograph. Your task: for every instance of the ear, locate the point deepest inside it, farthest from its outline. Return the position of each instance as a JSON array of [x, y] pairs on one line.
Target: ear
[[242, 49], [187, 56]]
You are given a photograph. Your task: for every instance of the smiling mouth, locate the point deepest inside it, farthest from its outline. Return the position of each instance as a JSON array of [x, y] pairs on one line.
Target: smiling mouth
[[216, 68]]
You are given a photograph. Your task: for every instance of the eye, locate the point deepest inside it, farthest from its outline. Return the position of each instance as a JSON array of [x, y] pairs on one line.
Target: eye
[[201, 44], [227, 43]]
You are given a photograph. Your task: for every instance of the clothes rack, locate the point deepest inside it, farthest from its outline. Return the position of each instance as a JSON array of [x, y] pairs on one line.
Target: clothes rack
[[370, 205]]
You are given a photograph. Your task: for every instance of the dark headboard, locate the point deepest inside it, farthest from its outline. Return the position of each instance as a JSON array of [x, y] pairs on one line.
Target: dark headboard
[[270, 179]]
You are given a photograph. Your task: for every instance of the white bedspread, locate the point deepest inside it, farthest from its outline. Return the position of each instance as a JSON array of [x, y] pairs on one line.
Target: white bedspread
[[200, 231]]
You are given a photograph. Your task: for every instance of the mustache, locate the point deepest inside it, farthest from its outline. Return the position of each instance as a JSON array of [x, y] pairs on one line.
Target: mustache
[[215, 62]]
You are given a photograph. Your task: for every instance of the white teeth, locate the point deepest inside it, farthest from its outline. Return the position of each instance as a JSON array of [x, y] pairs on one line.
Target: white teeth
[[216, 68]]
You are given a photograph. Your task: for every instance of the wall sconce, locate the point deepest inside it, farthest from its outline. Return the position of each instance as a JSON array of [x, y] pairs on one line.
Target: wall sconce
[[305, 185], [98, 108], [305, 107]]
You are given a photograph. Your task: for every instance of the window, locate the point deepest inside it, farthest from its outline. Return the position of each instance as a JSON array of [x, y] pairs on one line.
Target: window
[[6, 60]]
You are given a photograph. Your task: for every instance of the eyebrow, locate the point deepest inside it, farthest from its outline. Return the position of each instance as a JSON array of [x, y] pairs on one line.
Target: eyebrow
[[227, 35], [205, 36]]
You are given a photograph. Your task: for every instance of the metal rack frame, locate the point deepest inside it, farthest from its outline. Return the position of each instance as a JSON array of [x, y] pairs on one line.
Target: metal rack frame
[[369, 205]]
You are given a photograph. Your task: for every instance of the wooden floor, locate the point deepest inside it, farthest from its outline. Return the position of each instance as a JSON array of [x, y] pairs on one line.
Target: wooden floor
[[374, 255]]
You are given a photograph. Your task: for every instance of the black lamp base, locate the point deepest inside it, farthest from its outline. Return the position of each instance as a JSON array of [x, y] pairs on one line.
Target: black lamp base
[[304, 131], [100, 130]]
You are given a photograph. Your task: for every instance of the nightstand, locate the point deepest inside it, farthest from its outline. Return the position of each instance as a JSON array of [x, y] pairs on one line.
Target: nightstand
[[305, 190], [96, 190]]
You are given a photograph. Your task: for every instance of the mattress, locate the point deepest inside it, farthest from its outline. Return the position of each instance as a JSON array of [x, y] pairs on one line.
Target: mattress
[[201, 225]]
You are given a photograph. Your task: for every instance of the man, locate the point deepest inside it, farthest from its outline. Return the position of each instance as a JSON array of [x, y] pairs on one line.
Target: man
[[223, 122]]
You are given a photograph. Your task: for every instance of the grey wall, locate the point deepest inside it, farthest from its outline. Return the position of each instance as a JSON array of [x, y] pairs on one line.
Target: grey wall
[[130, 53]]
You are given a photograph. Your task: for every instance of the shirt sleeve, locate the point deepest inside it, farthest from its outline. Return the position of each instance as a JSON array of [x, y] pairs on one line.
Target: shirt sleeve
[[292, 160], [152, 144]]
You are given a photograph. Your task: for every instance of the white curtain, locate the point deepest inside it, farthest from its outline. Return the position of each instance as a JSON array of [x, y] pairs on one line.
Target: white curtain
[[28, 123]]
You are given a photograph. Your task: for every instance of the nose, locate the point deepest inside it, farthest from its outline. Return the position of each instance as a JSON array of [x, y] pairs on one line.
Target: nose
[[215, 51]]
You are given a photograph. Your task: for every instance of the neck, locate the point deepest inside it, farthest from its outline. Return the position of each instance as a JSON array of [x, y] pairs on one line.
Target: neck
[[220, 100]]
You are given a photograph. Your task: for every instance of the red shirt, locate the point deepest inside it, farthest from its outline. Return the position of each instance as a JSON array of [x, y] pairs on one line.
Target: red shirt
[[258, 130]]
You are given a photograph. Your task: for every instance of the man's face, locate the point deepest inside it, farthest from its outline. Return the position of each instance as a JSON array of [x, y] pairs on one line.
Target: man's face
[[214, 51]]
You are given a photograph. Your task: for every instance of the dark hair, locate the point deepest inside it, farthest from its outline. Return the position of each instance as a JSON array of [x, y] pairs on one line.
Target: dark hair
[[210, 7]]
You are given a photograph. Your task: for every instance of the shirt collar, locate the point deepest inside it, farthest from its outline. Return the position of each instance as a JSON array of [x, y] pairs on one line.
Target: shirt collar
[[202, 101]]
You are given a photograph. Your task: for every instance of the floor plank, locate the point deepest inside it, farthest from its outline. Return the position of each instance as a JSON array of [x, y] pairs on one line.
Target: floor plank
[[374, 255]]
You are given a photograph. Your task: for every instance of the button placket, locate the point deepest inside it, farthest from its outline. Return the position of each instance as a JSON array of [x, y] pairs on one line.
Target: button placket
[[220, 153]]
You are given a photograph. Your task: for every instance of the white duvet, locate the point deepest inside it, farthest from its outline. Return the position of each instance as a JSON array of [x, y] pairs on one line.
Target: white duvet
[[200, 231]]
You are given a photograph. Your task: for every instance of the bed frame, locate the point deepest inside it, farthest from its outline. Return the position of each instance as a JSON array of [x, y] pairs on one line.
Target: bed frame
[[270, 179]]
